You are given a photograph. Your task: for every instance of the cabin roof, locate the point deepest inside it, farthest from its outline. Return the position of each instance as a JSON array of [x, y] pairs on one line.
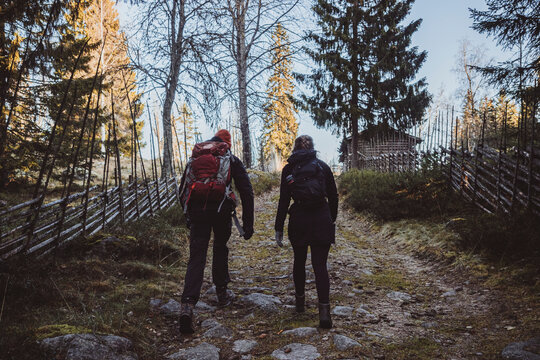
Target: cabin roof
[[385, 131]]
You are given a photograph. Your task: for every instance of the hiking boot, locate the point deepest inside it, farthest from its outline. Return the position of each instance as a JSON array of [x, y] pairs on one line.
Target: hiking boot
[[300, 303], [325, 322], [186, 319], [224, 299]]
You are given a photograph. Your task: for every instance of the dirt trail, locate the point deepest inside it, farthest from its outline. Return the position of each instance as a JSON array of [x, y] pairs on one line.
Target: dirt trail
[[393, 304]]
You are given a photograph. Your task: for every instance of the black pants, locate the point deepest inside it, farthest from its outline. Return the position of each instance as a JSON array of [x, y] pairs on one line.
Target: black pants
[[319, 256], [202, 224]]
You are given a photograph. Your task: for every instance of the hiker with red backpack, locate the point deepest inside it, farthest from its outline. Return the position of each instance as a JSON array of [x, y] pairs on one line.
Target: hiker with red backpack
[[209, 205], [309, 182]]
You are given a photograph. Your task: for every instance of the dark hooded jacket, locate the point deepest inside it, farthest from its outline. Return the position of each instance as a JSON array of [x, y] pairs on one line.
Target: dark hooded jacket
[[308, 224]]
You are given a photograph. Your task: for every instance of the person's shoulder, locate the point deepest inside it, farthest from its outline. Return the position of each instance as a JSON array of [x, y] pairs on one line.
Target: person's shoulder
[[323, 165], [286, 168]]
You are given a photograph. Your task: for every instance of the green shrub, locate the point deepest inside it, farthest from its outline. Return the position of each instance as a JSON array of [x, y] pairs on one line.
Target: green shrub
[[263, 181], [392, 196], [499, 235]]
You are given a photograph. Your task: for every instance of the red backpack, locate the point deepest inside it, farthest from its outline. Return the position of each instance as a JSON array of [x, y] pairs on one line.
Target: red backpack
[[208, 174]]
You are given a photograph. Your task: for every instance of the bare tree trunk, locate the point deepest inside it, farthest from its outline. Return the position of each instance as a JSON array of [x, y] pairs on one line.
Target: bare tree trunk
[[241, 67], [172, 83], [354, 94], [244, 121]]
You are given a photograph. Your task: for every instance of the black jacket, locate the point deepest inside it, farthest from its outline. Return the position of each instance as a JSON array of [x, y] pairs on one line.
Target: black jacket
[[314, 224], [242, 184]]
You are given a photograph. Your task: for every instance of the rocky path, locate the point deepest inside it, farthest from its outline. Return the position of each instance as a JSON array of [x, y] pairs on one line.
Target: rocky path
[[386, 303]]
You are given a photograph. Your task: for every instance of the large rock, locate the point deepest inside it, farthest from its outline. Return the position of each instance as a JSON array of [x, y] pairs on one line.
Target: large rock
[[301, 331], [399, 296], [343, 342], [203, 351], [88, 347], [296, 351], [262, 301], [524, 350], [342, 311], [244, 346]]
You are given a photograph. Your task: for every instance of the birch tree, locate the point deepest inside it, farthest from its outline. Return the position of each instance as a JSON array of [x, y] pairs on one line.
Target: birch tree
[[247, 40], [173, 47]]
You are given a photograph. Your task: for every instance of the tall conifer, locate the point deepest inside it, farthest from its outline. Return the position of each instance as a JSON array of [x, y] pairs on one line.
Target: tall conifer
[[366, 67], [280, 124]]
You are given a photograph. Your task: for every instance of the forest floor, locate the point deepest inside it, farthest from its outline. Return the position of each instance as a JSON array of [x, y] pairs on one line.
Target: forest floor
[[402, 307], [393, 303]]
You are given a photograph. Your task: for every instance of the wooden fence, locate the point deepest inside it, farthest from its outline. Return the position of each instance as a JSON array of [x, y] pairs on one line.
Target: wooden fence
[[391, 162], [493, 180], [28, 228]]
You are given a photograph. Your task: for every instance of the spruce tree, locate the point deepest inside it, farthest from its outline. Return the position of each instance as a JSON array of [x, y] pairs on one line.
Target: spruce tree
[[515, 24], [366, 67], [280, 124]]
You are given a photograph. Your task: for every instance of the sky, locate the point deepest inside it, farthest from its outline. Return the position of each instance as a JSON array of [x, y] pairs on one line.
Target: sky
[[445, 24]]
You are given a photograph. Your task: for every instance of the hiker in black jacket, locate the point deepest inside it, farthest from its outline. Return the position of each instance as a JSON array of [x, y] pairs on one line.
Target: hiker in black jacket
[[310, 183], [203, 218]]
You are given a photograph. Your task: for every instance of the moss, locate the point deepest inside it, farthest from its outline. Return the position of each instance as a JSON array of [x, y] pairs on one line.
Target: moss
[[414, 348], [49, 331], [388, 279]]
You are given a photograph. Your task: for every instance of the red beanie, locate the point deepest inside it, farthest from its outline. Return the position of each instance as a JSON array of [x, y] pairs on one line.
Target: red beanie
[[225, 136]]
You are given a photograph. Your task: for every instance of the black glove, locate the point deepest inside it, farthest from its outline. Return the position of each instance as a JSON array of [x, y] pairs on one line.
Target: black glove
[[248, 233], [279, 238]]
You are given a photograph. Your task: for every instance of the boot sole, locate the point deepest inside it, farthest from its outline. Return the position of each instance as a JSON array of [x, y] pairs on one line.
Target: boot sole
[[186, 326]]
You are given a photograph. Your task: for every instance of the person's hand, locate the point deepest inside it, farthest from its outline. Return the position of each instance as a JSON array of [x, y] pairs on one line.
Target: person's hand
[[279, 238], [248, 233]]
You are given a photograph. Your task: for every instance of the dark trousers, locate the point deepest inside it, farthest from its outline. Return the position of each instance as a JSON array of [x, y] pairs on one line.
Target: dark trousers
[[202, 225], [319, 256]]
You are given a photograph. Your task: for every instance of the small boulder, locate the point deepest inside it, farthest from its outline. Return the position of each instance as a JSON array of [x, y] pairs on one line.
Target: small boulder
[[171, 308], [88, 347], [203, 351], [301, 331], [399, 296], [449, 294], [296, 351], [209, 323], [524, 350], [262, 301], [201, 306], [343, 311], [244, 346], [343, 342], [218, 331]]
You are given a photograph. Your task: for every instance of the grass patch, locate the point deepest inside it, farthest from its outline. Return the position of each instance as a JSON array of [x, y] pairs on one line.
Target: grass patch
[[388, 279], [414, 348], [49, 331], [101, 284]]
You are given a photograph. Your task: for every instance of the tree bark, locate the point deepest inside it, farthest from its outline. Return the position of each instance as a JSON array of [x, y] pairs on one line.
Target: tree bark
[[241, 67], [172, 83], [354, 106]]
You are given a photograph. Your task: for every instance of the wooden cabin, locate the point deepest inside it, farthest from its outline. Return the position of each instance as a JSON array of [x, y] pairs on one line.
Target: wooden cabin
[[380, 139]]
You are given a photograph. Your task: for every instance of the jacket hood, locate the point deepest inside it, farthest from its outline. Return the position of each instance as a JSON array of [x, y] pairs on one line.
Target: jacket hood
[[302, 155]]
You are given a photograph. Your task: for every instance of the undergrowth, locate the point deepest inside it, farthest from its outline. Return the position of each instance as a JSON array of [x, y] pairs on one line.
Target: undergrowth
[[426, 214], [263, 181], [100, 284]]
